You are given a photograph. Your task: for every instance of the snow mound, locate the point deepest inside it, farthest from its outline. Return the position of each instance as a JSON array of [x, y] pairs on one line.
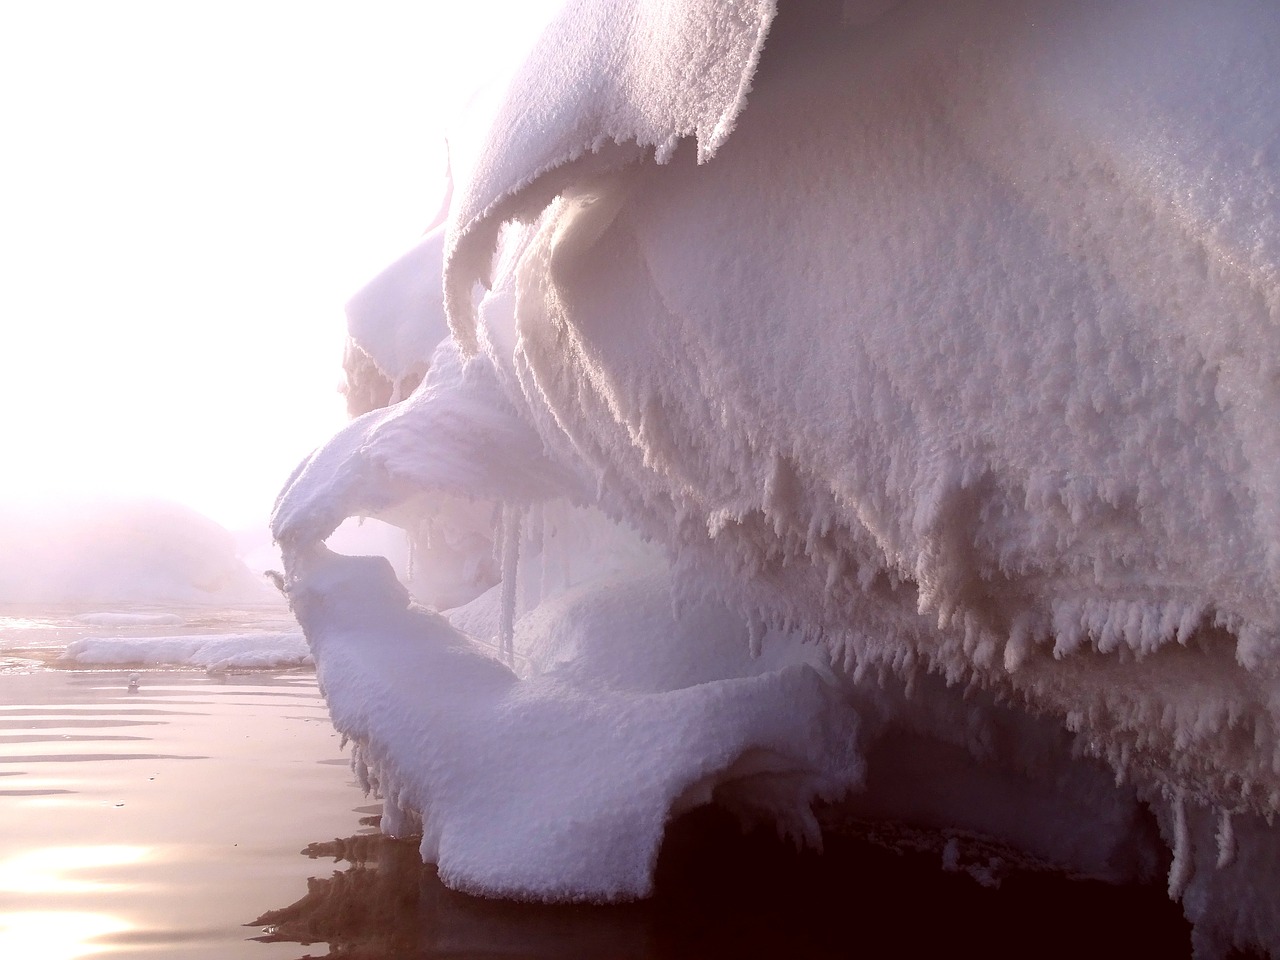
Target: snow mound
[[111, 618], [219, 651], [479, 759]]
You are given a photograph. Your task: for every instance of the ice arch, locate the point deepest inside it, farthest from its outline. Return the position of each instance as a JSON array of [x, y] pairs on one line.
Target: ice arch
[[940, 334]]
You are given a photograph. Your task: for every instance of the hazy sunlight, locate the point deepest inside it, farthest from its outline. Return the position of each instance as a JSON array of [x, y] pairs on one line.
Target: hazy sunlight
[[191, 193]]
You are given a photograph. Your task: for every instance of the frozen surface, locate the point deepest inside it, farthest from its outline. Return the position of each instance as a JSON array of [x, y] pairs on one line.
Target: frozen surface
[[217, 651], [122, 552], [118, 618], [933, 347]]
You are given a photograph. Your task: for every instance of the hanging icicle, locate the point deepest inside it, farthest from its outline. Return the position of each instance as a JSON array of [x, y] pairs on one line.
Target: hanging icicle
[[1226, 838], [512, 517], [1181, 868], [755, 633], [411, 543]]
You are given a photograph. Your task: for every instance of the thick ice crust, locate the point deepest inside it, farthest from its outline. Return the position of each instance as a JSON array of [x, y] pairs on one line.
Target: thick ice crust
[[957, 359]]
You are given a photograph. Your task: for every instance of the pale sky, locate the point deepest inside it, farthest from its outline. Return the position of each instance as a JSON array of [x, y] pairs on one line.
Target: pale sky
[[189, 192]]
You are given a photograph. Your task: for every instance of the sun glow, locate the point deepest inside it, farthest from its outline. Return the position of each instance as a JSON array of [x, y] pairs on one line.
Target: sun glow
[[55, 934], [190, 194], [46, 871], [50, 872]]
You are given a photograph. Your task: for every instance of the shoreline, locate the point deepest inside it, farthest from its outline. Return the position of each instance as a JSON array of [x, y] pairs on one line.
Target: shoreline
[[182, 816]]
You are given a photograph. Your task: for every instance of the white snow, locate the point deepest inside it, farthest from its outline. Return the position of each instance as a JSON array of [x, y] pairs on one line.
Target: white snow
[[217, 651], [120, 618], [556, 786], [394, 324], [931, 353]]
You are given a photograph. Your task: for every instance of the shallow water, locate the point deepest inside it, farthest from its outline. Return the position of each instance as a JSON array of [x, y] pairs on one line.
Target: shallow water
[[169, 813], [156, 819]]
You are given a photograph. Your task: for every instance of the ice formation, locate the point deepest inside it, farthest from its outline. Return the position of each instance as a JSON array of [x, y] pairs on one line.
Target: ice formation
[[125, 618], [869, 400], [250, 650]]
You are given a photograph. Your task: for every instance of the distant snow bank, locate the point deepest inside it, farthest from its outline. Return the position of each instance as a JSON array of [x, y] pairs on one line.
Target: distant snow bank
[[112, 618], [219, 651], [120, 551]]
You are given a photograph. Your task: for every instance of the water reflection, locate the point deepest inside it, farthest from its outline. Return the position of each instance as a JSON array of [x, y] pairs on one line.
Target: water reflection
[[45, 871], [164, 846], [55, 934], [58, 872], [722, 894], [151, 824], [386, 904]]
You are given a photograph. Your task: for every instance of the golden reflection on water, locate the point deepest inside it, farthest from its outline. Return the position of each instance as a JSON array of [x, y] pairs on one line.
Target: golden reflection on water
[[151, 823], [60, 934], [55, 934], [44, 870], [22, 623]]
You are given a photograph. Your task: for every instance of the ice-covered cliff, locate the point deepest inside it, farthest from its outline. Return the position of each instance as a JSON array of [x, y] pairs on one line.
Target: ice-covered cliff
[[859, 400]]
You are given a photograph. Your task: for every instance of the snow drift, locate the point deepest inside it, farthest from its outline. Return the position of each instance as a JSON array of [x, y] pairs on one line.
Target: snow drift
[[250, 650], [117, 618], [933, 345]]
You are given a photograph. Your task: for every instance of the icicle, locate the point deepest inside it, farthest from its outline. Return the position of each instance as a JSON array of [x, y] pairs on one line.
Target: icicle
[[411, 542], [908, 671], [545, 585], [361, 770], [1226, 837], [834, 566], [1122, 765], [755, 634], [1181, 867], [496, 524], [1020, 643], [511, 522]]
